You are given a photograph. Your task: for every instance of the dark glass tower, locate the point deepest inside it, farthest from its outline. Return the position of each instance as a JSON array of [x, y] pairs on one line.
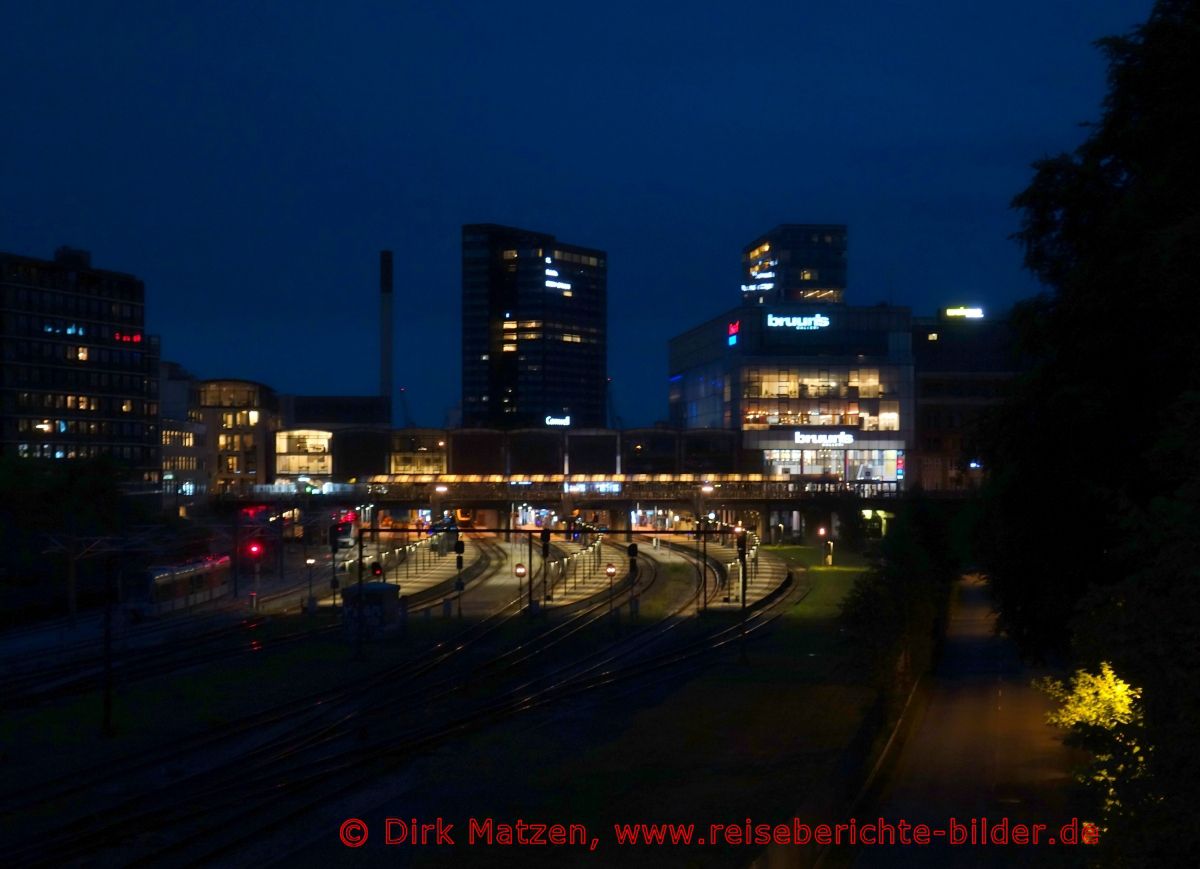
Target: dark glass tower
[[796, 262], [534, 330]]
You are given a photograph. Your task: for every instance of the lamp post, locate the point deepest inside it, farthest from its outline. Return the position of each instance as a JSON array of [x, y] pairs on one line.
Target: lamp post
[[740, 534], [826, 547], [611, 571], [702, 544], [312, 601], [519, 571]]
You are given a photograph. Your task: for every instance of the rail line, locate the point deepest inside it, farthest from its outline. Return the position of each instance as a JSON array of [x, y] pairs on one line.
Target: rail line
[[258, 775]]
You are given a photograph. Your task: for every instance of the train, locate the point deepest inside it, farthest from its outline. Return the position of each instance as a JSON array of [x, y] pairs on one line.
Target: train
[[163, 589]]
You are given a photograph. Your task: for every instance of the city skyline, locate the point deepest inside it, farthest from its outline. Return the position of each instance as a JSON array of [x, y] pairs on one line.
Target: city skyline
[[254, 189]]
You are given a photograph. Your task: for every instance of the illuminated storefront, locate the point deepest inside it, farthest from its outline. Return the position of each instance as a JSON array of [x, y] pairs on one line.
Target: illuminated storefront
[[303, 452], [821, 394]]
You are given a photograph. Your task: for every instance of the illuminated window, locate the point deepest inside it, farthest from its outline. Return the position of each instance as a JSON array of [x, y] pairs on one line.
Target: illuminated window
[[510, 324], [126, 406], [81, 353], [509, 348], [510, 254], [933, 336], [571, 338], [254, 417], [568, 294], [889, 416]]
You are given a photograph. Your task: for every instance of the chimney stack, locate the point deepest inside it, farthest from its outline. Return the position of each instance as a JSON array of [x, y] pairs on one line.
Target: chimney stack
[[385, 327]]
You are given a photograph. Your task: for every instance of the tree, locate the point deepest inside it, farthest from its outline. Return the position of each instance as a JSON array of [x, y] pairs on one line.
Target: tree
[[1114, 230], [1089, 522]]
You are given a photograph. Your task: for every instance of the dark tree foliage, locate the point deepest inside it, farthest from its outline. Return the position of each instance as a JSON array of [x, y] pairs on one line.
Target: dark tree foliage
[[1114, 229], [1090, 522], [894, 611], [1148, 627]]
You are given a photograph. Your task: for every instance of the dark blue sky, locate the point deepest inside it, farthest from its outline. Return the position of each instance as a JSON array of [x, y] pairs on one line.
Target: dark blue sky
[[248, 160]]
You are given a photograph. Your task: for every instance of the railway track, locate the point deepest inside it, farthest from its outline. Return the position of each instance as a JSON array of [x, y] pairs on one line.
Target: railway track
[[339, 752], [264, 733], [83, 664]]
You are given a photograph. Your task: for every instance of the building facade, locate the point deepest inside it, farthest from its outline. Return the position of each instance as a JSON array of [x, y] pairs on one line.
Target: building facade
[[796, 262], [534, 339], [184, 440], [965, 364], [822, 394], [80, 374], [241, 418]]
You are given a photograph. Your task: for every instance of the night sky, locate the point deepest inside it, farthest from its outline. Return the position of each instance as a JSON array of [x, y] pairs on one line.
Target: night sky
[[248, 160]]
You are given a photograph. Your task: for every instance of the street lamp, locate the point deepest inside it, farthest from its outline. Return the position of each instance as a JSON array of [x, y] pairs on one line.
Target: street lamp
[[312, 601], [702, 544], [611, 571], [519, 571]]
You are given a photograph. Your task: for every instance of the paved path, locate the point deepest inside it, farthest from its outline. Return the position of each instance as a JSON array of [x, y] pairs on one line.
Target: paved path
[[979, 747]]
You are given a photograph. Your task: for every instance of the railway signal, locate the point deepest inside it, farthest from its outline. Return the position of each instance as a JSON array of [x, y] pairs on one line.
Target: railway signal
[[376, 569], [255, 550], [545, 543]]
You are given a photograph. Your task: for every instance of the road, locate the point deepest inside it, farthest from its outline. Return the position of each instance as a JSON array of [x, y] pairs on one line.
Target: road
[[979, 747]]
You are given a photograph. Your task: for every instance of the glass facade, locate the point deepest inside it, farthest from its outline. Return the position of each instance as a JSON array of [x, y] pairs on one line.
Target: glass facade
[[534, 330], [824, 395], [304, 452], [862, 398], [796, 263]]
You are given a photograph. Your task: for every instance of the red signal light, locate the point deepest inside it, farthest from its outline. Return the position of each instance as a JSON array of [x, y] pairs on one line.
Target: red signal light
[[255, 548]]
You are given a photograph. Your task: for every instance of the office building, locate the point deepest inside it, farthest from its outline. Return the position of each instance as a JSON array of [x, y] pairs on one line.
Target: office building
[[965, 364], [80, 374], [534, 339], [822, 394], [796, 262], [184, 440], [241, 418]]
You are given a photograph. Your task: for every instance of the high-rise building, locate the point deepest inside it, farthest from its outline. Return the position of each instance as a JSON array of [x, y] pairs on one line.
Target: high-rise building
[[796, 262], [79, 373], [534, 330]]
